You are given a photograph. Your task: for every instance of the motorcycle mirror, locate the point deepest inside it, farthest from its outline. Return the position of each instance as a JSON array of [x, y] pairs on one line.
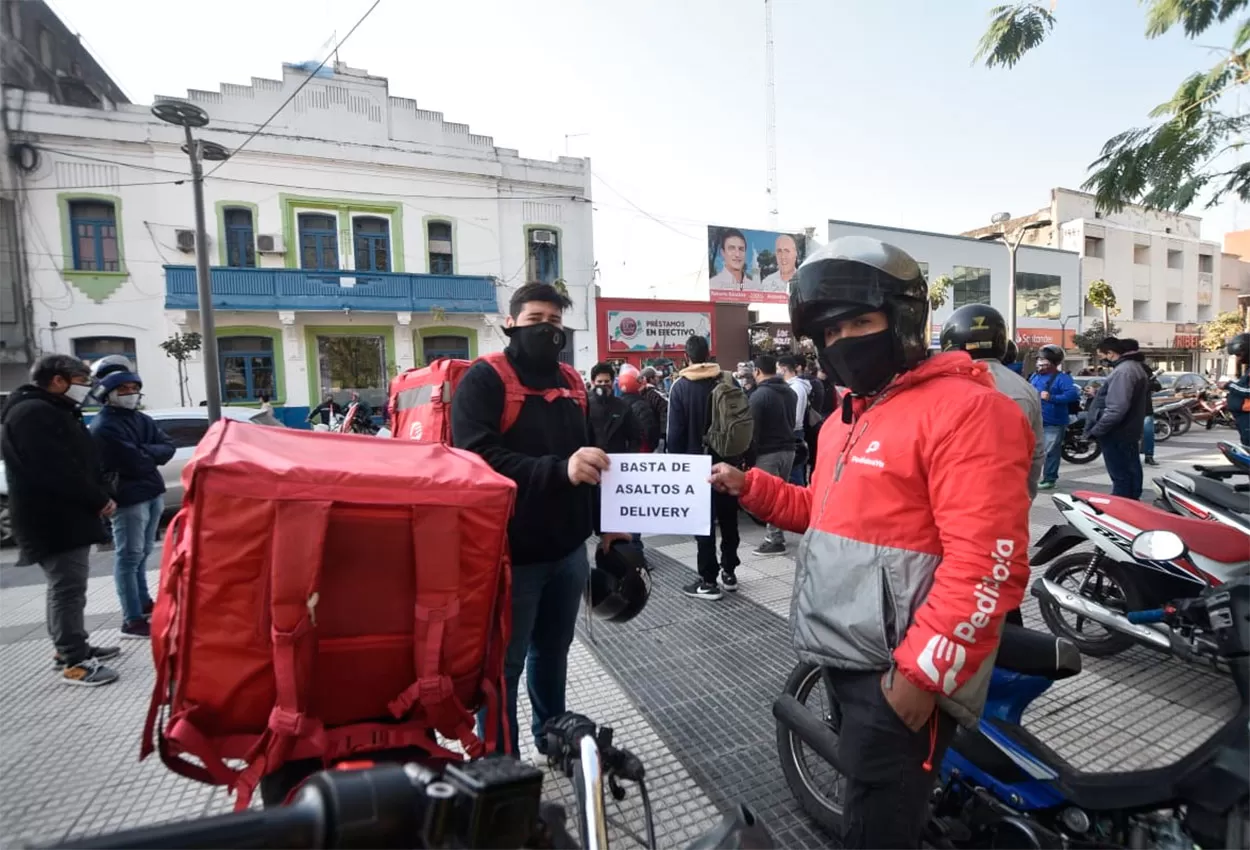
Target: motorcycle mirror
[[1157, 546]]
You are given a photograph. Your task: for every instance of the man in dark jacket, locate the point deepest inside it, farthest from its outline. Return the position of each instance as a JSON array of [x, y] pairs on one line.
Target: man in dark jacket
[[58, 502], [689, 416], [1118, 412], [648, 423], [655, 399], [773, 406], [612, 423], [132, 449], [549, 454]]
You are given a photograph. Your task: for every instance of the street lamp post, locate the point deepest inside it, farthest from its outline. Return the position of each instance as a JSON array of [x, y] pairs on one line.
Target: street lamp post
[[1063, 329], [1012, 245], [188, 116]]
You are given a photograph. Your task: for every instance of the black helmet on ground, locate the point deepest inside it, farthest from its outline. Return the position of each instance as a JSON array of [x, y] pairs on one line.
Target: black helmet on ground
[[1013, 353], [978, 329], [853, 276], [1051, 353], [620, 583], [1238, 346]]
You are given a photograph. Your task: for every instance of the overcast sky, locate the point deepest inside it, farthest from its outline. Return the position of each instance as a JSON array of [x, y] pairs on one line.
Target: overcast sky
[[881, 117]]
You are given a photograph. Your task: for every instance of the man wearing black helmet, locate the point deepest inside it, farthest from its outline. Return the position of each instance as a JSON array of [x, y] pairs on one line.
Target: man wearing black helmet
[[1238, 400], [981, 331], [1058, 392], [911, 555]]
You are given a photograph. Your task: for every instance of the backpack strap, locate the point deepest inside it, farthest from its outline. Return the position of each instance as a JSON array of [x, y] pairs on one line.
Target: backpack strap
[[436, 540], [295, 557], [515, 392]]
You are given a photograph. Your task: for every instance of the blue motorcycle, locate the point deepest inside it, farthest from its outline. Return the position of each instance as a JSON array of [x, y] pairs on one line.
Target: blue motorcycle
[[1002, 787]]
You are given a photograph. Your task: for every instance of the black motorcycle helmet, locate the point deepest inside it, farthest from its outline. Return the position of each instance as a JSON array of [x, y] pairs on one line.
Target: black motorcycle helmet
[[1052, 353], [620, 583], [853, 275], [1012, 354], [1239, 346], [978, 329]]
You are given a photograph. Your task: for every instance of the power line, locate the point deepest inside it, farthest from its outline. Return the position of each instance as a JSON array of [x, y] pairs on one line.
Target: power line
[[640, 209], [298, 89]]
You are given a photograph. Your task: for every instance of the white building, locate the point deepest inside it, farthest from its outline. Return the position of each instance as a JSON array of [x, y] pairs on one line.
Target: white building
[[1166, 278], [1047, 280], [357, 235]]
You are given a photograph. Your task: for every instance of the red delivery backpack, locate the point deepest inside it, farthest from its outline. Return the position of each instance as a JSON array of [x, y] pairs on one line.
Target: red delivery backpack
[[421, 398], [323, 595]]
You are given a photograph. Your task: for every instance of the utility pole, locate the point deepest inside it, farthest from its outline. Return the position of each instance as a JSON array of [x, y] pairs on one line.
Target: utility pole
[[770, 98]]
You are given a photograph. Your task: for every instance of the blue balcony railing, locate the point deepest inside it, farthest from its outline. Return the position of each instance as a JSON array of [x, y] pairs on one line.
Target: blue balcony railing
[[297, 289]]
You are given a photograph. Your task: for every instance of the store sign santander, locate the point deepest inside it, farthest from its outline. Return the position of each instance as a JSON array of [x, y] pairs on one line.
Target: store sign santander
[[643, 330]]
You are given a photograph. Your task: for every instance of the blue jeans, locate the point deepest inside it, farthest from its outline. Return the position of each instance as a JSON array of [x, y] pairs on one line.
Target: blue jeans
[[1148, 437], [545, 601], [1054, 435], [1123, 465], [134, 535], [1243, 427], [798, 471]]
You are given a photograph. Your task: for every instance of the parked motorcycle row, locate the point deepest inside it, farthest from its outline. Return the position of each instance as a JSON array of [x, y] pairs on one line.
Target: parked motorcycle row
[[1174, 577]]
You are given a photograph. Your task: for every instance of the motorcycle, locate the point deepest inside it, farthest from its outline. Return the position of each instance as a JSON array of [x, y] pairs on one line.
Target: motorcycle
[[353, 423], [1000, 786], [1212, 409], [1077, 448], [1100, 587], [1215, 493]]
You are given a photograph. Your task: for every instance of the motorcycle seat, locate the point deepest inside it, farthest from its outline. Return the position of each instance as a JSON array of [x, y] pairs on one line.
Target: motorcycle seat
[[1031, 653], [1217, 493], [1221, 543]]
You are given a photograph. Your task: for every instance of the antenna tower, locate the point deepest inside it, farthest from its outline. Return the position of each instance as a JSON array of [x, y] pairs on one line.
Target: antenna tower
[[770, 98]]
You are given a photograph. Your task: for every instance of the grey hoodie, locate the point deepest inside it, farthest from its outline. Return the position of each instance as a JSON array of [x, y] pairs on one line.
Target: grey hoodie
[[1022, 393]]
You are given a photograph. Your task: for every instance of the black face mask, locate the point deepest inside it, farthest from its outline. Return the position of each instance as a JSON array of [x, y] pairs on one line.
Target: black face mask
[[602, 392], [865, 364], [1107, 361], [538, 345]]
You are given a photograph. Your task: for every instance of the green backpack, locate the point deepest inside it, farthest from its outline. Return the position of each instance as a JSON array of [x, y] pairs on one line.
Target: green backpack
[[730, 424]]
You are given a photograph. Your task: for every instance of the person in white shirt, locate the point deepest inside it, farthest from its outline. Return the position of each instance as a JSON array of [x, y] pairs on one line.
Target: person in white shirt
[[788, 367], [787, 265], [733, 251]]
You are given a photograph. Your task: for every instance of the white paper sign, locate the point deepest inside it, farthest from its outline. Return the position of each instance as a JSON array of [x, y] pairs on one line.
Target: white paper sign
[[657, 494]]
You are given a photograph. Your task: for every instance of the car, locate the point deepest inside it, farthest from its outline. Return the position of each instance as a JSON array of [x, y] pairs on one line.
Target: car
[[185, 426], [1184, 383]]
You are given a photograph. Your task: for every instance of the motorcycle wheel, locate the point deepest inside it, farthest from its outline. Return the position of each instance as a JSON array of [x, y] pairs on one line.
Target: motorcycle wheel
[[816, 784], [1182, 422], [1163, 428], [1107, 589], [1080, 451]]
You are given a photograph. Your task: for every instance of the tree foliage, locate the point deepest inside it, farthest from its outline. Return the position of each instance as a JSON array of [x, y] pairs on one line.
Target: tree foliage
[[1217, 331], [1102, 296], [1088, 339], [1168, 163], [939, 291]]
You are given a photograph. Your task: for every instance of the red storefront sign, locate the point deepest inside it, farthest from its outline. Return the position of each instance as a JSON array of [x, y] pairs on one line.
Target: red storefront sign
[[1187, 341], [641, 329]]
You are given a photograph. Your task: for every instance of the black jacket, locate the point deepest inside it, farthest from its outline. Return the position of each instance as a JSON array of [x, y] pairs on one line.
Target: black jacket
[[689, 408], [816, 398], [1123, 402], [132, 450], [612, 424], [773, 406], [56, 486], [646, 420], [659, 405], [552, 517]]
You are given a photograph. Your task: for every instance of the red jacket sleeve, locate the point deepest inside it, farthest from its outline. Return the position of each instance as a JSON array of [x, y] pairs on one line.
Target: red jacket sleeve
[[785, 505], [978, 487]]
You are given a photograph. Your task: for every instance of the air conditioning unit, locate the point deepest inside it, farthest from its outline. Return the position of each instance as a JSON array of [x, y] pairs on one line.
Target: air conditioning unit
[[270, 243], [186, 240], [543, 237]]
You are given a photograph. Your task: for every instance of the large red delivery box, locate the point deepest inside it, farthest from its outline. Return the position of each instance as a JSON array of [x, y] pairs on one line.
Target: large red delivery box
[[323, 595]]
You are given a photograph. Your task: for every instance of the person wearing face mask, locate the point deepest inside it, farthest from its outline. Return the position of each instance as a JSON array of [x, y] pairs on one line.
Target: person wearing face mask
[[132, 449], [549, 453], [914, 547], [58, 499], [1117, 415], [1058, 392], [612, 423]]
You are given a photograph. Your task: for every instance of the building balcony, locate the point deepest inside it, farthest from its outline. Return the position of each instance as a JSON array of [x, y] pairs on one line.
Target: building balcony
[[300, 289]]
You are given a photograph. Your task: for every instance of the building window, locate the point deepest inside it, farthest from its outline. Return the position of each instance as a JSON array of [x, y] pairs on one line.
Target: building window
[[1176, 260], [372, 244], [1095, 247], [45, 47], [318, 241], [240, 239], [1206, 263], [1141, 255], [543, 245], [434, 347], [438, 233], [347, 363], [94, 228], [1038, 295], [91, 348], [970, 285], [924, 270], [247, 367]]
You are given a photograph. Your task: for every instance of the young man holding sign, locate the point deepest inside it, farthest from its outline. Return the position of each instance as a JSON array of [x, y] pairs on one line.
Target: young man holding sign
[[549, 454], [916, 540]]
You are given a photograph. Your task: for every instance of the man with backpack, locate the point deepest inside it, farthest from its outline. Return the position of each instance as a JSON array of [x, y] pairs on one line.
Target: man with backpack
[[772, 405], [708, 413], [656, 400], [788, 366], [549, 453]]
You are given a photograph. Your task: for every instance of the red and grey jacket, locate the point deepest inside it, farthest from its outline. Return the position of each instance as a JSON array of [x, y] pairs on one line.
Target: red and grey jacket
[[917, 531]]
